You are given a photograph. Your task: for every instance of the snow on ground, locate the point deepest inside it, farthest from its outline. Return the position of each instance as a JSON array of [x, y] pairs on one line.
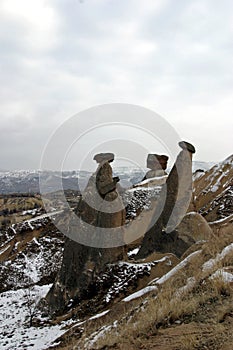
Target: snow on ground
[[139, 198], [13, 228], [175, 269], [214, 179], [153, 180], [198, 174], [223, 220], [97, 335], [227, 277], [99, 315], [43, 216], [151, 188], [41, 258], [30, 212], [4, 249], [140, 293], [133, 252], [125, 273], [191, 281], [214, 188], [33, 265], [15, 333], [209, 265]]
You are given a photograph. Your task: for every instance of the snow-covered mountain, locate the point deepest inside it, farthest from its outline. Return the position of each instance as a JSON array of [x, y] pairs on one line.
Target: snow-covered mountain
[[27, 181]]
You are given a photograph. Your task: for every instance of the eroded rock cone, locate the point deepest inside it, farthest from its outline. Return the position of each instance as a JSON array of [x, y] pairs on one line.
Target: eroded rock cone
[[99, 208], [173, 203], [188, 146], [101, 204]]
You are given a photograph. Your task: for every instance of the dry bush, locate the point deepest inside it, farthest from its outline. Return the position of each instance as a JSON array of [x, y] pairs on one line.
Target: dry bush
[[144, 316]]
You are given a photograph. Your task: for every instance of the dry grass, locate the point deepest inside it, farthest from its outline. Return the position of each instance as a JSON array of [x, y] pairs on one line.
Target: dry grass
[[13, 207], [198, 311], [168, 306]]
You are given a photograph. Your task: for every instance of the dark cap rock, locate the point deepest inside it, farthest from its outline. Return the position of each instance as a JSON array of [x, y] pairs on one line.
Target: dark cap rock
[[154, 157], [157, 161], [188, 146], [100, 157]]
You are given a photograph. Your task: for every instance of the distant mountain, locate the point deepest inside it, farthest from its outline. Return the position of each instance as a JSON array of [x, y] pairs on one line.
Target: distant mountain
[[199, 165], [24, 181], [27, 181]]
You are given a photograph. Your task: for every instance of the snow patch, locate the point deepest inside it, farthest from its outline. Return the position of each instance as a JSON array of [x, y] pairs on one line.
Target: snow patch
[[214, 188], [133, 252], [97, 335], [227, 277], [14, 330], [178, 267], [209, 265], [185, 289], [99, 315], [140, 293], [4, 249], [222, 220]]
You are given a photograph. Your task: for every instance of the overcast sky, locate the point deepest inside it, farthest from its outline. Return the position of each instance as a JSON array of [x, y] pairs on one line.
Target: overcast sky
[[59, 57]]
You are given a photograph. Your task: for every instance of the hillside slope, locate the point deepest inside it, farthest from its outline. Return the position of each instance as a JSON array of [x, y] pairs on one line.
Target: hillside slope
[[213, 191], [161, 302]]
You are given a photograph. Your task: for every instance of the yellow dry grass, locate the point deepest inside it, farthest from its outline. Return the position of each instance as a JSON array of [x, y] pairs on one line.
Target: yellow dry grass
[[142, 318]]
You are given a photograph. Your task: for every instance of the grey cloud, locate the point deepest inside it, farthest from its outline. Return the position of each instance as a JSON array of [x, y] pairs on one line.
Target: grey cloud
[[176, 55]]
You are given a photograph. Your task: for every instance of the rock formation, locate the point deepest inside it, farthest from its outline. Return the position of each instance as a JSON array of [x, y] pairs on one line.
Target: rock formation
[[194, 228], [158, 164], [173, 204], [100, 204], [100, 207]]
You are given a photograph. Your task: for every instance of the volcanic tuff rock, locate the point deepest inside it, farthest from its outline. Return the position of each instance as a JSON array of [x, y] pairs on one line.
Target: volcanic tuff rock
[[194, 228], [124, 289], [82, 264], [99, 207], [173, 203], [157, 163]]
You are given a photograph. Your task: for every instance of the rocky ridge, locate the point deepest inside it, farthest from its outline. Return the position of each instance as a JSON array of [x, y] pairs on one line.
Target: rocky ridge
[[125, 288]]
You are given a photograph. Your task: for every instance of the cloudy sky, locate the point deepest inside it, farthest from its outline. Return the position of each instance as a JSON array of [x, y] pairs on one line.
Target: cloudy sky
[[60, 57]]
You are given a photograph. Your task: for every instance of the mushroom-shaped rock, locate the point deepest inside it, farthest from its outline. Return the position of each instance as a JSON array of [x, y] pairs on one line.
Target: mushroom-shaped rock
[[157, 163], [188, 146], [102, 216], [173, 203], [104, 157]]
